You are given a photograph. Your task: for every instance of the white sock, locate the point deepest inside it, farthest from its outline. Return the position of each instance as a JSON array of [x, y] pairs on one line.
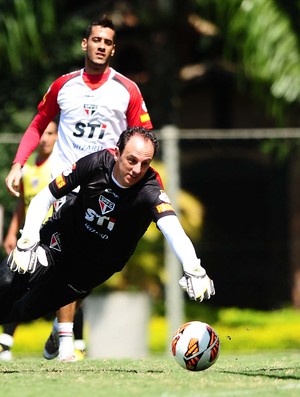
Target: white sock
[[7, 340], [66, 345], [79, 344]]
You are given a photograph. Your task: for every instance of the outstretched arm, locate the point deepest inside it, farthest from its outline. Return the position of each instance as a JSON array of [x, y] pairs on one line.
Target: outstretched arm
[[195, 280]]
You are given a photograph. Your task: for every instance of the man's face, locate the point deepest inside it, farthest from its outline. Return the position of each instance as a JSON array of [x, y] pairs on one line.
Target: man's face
[[48, 139], [99, 48], [134, 162]]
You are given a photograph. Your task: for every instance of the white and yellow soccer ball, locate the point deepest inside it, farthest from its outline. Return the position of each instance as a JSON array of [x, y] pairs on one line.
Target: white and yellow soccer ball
[[195, 346]]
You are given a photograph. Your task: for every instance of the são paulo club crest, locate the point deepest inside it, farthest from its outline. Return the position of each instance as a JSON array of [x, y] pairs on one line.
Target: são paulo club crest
[[55, 242], [105, 205], [89, 108]]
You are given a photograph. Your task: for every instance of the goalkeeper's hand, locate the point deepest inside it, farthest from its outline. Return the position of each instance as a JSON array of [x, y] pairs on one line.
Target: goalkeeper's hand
[[197, 284], [24, 258]]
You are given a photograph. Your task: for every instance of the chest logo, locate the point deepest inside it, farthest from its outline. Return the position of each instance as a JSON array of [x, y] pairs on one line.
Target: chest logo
[[90, 109], [55, 242], [35, 183], [105, 205]]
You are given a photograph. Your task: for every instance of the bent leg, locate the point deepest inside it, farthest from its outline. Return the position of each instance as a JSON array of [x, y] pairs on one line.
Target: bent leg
[[66, 313], [12, 286], [45, 297]]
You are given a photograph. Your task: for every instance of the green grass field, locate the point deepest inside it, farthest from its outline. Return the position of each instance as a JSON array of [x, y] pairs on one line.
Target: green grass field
[[271, 373], [260, 356]]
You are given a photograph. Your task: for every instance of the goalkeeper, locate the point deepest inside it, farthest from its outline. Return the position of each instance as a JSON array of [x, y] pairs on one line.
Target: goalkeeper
[[93, 237]]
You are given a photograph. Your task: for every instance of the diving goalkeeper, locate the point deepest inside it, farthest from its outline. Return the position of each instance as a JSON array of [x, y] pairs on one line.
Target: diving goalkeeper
[[93, 237]]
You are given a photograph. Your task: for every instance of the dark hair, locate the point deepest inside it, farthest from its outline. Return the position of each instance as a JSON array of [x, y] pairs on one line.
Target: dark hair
[[127, 134], [104, 21]]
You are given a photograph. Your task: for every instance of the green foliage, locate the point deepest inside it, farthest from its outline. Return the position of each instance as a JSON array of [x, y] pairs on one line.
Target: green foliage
[[37, 44], [30, 337], [24, 25], [234, 317], [269, 49], [261, 41], [280, 149], [239, 330]]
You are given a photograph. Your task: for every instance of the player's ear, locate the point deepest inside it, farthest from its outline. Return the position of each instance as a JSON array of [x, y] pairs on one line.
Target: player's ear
[[83, 44], [113, 50], [117, 153]]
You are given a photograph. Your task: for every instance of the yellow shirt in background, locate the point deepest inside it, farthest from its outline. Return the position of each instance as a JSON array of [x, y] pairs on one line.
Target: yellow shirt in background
[[35, 178]]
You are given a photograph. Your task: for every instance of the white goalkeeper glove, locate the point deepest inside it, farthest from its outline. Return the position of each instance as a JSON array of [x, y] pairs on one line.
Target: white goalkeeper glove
[[197, 284], [24, 258]]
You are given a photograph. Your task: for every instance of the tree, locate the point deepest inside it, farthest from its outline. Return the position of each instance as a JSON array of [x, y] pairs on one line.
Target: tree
[[261, 38], [23, 24]]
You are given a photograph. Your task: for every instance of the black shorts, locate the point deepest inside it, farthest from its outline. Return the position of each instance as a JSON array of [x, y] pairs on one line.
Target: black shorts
[[66, 279], [29, 296]]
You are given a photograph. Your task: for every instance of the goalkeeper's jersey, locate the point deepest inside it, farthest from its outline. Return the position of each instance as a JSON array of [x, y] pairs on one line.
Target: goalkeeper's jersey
[[94, 110], [107, 221]]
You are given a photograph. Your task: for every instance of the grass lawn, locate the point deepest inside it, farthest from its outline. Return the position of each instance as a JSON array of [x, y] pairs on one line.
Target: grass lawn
[[260, 356], [266, 374]]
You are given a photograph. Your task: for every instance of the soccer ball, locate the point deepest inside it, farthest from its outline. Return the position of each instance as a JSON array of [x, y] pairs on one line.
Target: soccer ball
[[195, 346]]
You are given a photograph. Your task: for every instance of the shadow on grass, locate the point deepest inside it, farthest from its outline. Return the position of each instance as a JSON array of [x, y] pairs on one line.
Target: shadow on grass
[[65, 368], [273, 373]]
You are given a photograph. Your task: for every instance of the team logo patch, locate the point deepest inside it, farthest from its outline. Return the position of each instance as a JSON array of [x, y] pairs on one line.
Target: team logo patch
[[55, 242], [60, 181], [106, 205], [164, 207], [144, 117], [164, 197], [90, 108]]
